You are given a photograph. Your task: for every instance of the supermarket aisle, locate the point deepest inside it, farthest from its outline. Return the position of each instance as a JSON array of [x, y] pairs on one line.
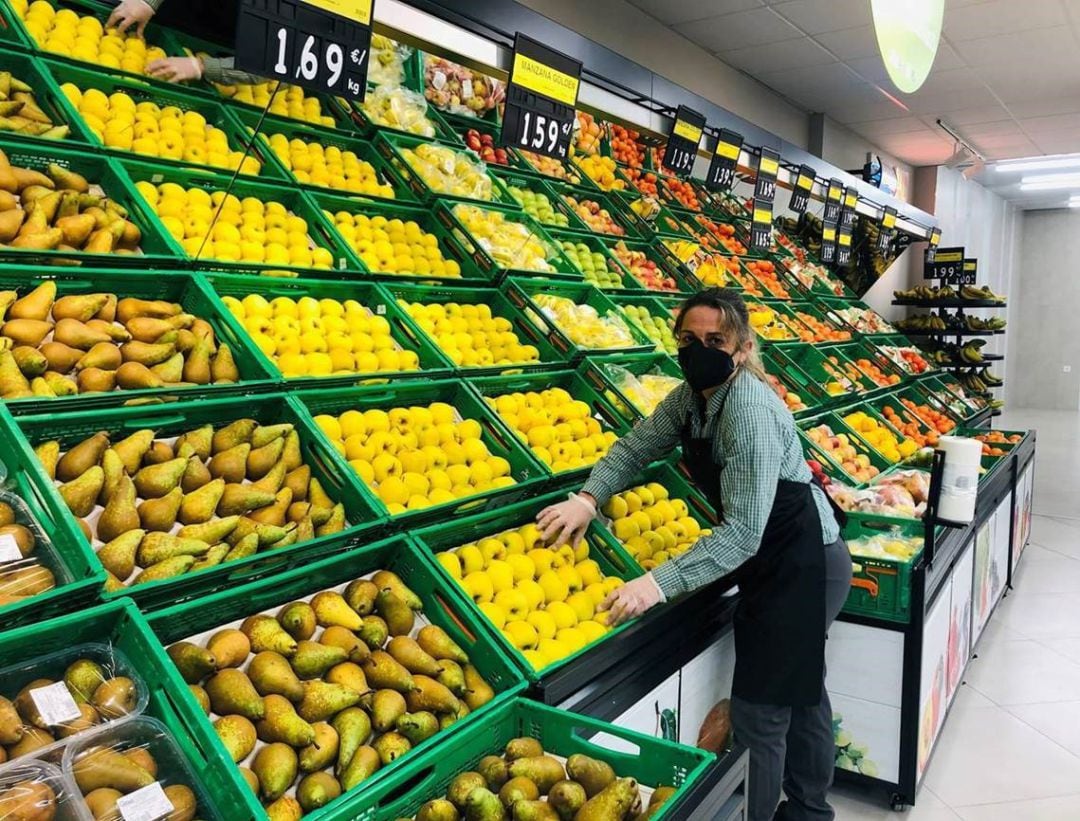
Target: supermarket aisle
[[1011, 746]]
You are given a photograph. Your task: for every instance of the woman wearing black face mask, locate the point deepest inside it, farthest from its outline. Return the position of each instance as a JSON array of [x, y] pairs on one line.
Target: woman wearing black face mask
[[779, 540]]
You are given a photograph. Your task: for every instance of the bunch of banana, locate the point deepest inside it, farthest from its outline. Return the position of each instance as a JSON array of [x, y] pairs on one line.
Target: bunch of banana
[[970, 353], [925, 292], [978, 382], [997, 404], [976, 323], [983, 294], [989, 379], [923, 322], [21, 114]]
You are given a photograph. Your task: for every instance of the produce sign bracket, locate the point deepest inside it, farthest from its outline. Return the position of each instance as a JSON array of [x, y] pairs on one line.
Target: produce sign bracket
[[761, 225], [832, 201], [682, 145], [725, 159], [800, 192], [768, 167]]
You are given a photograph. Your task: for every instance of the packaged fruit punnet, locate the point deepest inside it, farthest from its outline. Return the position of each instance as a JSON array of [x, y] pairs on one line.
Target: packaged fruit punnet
[[32, 107], [892, 545], [387, 63], [584, 325], [33, 789], [442, 170], [645, 390], [549, 763], [57, 28], [507, 240], [317, 680], [45, 701], [284, 101], [137, 769], [459, 90], [399, 108], [29, 564]]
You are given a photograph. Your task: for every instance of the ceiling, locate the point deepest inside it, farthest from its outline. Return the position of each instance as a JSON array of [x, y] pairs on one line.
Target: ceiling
[[1006, 76]]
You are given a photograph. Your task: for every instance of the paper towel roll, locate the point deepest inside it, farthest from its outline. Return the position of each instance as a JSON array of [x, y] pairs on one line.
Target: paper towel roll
[[960, 478]]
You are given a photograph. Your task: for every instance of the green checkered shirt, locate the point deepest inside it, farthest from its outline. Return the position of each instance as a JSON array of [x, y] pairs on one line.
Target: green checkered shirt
[[756, 444]]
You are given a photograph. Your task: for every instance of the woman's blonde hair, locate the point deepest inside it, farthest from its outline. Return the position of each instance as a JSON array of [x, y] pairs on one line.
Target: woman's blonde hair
[[736, 320]]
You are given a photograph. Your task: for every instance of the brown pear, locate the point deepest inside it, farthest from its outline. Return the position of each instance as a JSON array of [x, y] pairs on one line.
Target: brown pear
[[199, 506], [61, 385], [197, 364], [78, 334], [197, 443], [336, 636], [223, 368], [35, 305], [83, 456], [27, 331], [10, 223], [297, 481], [230, 464], [273, 514], [31, 361], [132, 449], [272, 481], [298, 619], [233, 434], [430, 696], [159, 453], [147, 353], [230, 647], [171, 370], [48, 453], [232, 692], [113, 467], [130, 307], [115, 332], [148, 329], [409, 654], [104, 355], [158, 546], [240, 499], [196, 475], [118, 556], [80, 307], [62, 358], [159, 515], [322, 752], [133, 376], [96, 380], [261, 460], [334, 524], [120, 514], [155, 481], [271, 673], [477, 691]]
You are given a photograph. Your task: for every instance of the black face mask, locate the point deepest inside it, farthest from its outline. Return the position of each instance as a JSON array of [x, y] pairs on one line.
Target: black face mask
[[704, 367]]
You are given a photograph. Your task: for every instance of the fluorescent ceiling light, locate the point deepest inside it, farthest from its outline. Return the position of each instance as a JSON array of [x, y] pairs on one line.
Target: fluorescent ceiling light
[[1044, 182], [1074, 203], [1038, 165]]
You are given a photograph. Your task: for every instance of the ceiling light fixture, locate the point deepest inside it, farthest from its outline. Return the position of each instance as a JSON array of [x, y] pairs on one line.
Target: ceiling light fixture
[[1050, 186], [1037, 165], [908, 34], [1051, 180]]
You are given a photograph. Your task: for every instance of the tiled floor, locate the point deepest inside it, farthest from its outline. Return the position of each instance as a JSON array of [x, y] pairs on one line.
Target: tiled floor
[[1010, 750]]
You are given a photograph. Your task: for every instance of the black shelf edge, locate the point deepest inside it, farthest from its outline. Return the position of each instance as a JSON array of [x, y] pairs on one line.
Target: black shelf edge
[[950, 303]]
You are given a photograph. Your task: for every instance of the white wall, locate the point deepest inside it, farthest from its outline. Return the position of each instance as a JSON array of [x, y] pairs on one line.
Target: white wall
[[1044, 315]]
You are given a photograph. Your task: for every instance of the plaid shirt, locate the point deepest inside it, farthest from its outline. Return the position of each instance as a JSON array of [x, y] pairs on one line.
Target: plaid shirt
[[755, 442]]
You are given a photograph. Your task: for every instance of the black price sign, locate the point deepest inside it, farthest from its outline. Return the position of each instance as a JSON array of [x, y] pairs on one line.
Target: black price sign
[[969, 273], [828, 243], [800, 191], [935, 238], [540, 99], [768, 168], [888, 223], [832, 201], [721, 174], [761, 226], [843, 247], [321, 45], [947, 265], [683, 143], [847, 212]]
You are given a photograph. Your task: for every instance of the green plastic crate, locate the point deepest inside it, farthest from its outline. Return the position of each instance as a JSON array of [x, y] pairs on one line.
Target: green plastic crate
[[593, 243], [522, 292], [658, 305], [558, 266], [838, 304], [835, 288], [898, 341], [329, 204], [651, 761], [950, 393], [441, 607], [46, 93], [604, 550], [785, 316], [880, 588], [854, 352], [602, 410], [294, 200], [562, 219], [174, 286], [120, 625], [11, 31], [595, 370], [787, 282], [432, 364], [103, 174], [709, 233], [389, 144], [914, 394], [172, 419], [444, 133], [669, 267], [572, 175], [500, 306], [141, 91], [822, 314], [527, 471], [868, 408], [831, 465], [326, 137], [778, 362], [666, 224], [828, 366], [667, 194], [623, 217]]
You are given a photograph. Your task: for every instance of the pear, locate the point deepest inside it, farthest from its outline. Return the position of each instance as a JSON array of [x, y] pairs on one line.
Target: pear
[[148, 329], [292, 455], [115, 697], [160, 514], [80, 307], [614, 801], [317, 790], [462, 786], [305, 530], [132, 449], [265, 434], [285, 808], [133, 376], [243, 549], [272, 674], [567, 797], [114, 332], [39, 387], [390, 581], [335, 524], [147, 353], [373, 632], [275, 766], [106, 767], [417, 727], [67, 179], [199, 506], [452, 677], [477, 691], [118, 556], [273, 480], [523, 747], [438, 809], [281, 723], [35, 305], [391, 746], [60, 385], [80, 494], [196, 475], [360, 596], [157, 547], [82, 457], [120, 514], [131, 307], [387, 706], [10, 223], [237, 735], [265, 633], [237, 499], [434, 641], [230, 647], [385, 672], [365, 763], [298, 619], [335, 636], [194, 663], [159, 453], [312, 659], [165, 569], [82, 678], [592, 774], [211, 558], [297, 481], [87, 720], [210, 532], [33, 739], [230, 464], [76, 230], [13, 385], [543, 770], [431, 696], [409, 654], [320, 753], [273, 513], [62, 358], [397, 615], [48, 453], [197, 365], [494, 770], [353, 727], [171, 370], [231, 691], [77, 334], [331, 609], [197, 443], [113, 468], [534, 810], [31, 361], [233, 434], [262, 459], [349, 675], [253, 784], [11, 726], [31, 239], [157, 480], [28, 331], [323, 700]]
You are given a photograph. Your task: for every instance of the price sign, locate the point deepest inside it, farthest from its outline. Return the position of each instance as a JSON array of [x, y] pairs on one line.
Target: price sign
[[721, 174], [947, 265], [540, 99], [768, 167], [761, 226], [832, 201], [683, 143], [828, 243], [935, 238], [321, 45], [888, 223], [843, 247], [800, 191], [847, 212], [969, 273]]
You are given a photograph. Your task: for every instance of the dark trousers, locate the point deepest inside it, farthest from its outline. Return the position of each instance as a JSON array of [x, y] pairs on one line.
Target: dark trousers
[[793, 747]]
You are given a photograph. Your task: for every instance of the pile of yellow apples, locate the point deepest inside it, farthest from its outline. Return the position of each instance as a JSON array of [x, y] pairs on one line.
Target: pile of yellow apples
[[394, 246], [288, 101], [893, 448], [652, 525], [470, 335], [310, 337], [511, 244], [416, 457], [601, 170], [447, 171], [559, 429], [542, 599], [329, 167], [584, 325]]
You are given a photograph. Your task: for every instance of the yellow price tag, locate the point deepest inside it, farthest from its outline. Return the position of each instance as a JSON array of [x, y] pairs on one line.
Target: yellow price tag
[[728, 151], [762, 215], [687, 131], [845, 240], [804, 182], [850, 200], [358, 10], [889, 220], [541, 79], [768, 166], [969, 266], [834, 193], [950, 256], [828, 234]]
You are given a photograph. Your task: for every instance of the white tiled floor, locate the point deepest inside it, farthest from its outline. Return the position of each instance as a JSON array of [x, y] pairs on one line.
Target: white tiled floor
[[1010, 750]]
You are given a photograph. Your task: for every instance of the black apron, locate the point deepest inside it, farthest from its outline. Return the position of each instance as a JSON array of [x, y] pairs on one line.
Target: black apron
[[779, 622]]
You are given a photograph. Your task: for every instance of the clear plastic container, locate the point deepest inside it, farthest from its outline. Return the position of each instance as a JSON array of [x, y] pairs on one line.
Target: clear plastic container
[[35, 786], [161, 784], [19, 573], [48, 708]]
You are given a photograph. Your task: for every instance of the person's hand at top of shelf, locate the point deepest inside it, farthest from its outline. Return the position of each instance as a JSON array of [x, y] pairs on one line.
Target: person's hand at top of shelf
[[176, 69], [130, 13]]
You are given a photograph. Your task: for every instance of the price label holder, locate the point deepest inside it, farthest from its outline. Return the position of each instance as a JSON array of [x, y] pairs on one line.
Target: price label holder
[[725, 159], [540, 99], [682, 144], [935, 238], [833, 201], [947, 265], [847, 212], [321, 45], [761, 226], [828, 243], [768, 168], [843, 247], [801, 190], [969, 273], [888, 225]]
